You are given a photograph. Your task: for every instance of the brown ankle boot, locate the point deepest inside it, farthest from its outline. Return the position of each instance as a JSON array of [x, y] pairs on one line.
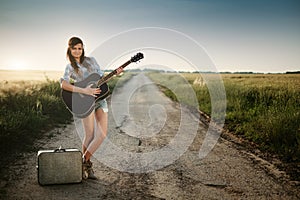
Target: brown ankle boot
[[85, 166], [90, 171]]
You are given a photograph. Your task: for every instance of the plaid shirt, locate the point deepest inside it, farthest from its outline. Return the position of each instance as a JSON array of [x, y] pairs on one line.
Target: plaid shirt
[[88, 66]]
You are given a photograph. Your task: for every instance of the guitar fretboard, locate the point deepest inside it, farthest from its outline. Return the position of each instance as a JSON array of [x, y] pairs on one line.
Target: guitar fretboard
[[111, 74]]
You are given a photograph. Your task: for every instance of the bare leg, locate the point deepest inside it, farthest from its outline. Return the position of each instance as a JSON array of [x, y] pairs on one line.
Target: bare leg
[[88, 124], [99, 134], [101, 118]]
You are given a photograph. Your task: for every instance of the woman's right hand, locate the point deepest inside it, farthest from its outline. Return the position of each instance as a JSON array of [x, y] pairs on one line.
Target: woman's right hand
[[91, 91]]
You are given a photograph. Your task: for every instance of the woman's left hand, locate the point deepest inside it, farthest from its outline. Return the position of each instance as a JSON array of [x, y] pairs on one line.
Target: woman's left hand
[[119, 70]]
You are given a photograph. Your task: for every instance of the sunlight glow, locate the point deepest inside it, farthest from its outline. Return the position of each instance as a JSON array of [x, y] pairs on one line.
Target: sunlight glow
[[18, 65]]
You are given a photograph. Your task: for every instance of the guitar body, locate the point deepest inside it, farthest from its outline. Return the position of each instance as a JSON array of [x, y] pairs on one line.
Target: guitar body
[[81, 105]]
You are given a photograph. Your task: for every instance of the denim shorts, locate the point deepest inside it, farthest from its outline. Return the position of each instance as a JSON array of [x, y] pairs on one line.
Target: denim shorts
[[101, 104]]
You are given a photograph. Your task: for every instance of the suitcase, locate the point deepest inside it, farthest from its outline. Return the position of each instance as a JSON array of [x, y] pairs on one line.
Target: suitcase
[[59, 166]]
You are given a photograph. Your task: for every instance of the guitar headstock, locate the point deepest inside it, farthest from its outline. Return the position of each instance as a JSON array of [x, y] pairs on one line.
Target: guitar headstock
[[137, 57]]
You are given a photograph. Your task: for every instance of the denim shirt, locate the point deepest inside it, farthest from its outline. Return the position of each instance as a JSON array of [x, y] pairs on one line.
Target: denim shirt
[[87, 67]]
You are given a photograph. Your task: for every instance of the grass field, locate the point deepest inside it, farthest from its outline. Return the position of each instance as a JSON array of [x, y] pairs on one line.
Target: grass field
[[30, 105], [29, 75], [263, 108]]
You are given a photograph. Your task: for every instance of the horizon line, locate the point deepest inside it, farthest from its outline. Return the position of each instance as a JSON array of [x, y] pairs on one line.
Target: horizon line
[[147, 69]]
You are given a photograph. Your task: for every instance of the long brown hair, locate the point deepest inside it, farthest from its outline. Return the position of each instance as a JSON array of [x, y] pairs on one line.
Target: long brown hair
[[72, 42]]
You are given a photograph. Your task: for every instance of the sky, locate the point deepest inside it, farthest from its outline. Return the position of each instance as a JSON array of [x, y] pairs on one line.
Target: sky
[[238, 35]]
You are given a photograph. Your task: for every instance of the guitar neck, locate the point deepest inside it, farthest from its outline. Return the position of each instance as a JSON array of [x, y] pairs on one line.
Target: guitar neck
[[111, 74]]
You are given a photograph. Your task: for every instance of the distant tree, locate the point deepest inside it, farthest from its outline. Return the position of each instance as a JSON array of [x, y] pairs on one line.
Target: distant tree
[[295, 72]]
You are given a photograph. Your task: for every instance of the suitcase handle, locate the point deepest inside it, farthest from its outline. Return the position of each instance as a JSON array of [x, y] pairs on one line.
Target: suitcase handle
[[60, 150]]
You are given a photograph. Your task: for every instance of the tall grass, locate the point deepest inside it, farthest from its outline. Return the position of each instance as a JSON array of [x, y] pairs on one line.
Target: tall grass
[[27, 111], [264, 109]]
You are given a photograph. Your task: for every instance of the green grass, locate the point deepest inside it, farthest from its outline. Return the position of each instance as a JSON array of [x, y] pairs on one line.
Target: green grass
[[30, 109], [264, 109], [268, 113], [27, 113]]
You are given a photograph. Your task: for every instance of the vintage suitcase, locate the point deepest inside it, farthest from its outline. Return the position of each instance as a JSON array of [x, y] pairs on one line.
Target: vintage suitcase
[[59, 166]]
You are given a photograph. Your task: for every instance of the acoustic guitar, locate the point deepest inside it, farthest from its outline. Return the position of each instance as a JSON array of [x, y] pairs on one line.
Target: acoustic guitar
[[81, 105]]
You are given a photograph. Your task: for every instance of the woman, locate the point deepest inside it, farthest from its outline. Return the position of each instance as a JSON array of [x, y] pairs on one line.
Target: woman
[[78, 69]]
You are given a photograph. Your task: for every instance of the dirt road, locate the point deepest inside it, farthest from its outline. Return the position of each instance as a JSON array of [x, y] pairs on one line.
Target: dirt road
[[147, 155]]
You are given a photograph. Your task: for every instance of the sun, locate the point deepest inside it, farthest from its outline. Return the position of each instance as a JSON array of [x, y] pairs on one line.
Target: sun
[[18, 65]]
